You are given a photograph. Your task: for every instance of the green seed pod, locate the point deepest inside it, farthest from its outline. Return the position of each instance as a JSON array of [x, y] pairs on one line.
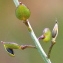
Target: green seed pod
[[47, 34], [22, 12], [9, 46]]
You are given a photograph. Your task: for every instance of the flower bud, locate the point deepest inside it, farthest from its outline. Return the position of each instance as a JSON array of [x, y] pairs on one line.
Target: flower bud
[[55, 32]]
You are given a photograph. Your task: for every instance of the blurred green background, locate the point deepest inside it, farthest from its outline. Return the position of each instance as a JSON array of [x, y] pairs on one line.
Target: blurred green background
[[43, 14]]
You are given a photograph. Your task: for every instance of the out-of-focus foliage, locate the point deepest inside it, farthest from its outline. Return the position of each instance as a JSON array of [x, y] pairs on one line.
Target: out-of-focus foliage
[[43, 14]]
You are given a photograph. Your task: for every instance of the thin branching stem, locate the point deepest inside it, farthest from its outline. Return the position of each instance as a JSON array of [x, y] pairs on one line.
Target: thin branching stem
[[50, 49], [37, 43], [54, 36]]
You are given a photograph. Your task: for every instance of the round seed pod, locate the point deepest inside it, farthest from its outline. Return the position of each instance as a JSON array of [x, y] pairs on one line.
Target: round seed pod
[[22, 12], [47, 35]]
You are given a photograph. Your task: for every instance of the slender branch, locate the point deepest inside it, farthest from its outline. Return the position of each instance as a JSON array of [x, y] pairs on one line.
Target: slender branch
[[54, 36], [37, 43], [50, 49]]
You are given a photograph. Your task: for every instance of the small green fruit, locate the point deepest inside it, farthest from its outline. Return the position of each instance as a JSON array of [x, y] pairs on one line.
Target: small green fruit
[[47, 34], [22, 12], [9, 46]]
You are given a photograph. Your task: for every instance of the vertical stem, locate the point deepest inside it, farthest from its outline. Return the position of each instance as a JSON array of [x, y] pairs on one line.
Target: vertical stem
[[37, 43], [50, 49], [16, 2]]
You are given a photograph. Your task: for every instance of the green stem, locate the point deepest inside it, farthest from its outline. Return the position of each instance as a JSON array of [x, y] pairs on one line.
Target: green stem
[[16, 2], [50, 49], [37, 43]]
